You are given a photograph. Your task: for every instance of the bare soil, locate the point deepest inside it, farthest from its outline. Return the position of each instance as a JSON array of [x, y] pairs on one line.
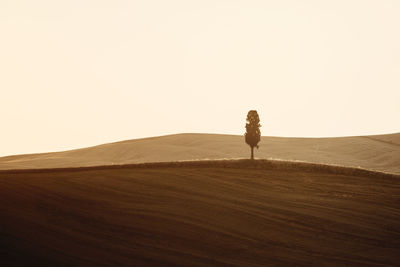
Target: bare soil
[[378, 152], [198, 216]]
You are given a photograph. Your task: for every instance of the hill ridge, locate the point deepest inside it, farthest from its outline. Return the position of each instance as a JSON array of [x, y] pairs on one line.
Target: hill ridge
[[371, 152], [267, 164]]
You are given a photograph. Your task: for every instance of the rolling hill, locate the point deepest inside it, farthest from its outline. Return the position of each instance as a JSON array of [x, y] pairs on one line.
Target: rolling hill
[[379, 152], [223, 213]]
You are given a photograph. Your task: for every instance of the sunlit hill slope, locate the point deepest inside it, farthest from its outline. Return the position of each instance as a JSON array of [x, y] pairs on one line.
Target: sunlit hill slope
[[379, 152]]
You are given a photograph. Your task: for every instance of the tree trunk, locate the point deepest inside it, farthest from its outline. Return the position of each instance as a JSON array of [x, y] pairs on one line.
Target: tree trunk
[[252, 152]]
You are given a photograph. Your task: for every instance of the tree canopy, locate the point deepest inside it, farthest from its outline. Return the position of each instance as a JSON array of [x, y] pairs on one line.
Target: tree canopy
[[253, 133]]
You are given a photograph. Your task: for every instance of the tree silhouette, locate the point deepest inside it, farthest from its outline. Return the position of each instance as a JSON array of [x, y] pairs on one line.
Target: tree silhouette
[[253, 133]]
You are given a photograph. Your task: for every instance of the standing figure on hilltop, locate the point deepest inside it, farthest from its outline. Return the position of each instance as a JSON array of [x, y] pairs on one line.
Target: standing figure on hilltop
[[253, 133]]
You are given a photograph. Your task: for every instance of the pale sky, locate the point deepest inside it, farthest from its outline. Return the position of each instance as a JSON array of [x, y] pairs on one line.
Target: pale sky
[[77, 73]]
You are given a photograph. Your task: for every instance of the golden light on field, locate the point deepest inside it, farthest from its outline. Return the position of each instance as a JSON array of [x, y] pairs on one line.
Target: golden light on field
[[80, 73]]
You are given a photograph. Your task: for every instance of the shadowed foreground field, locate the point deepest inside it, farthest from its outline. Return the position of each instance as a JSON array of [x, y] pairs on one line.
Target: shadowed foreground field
[[190, 215]]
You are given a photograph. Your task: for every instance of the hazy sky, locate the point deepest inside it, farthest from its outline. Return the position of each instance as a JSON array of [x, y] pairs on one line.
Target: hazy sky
[[78, 73]]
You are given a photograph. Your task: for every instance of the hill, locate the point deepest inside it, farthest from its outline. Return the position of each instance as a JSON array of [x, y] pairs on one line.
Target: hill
[[209, 213], [379, 152]]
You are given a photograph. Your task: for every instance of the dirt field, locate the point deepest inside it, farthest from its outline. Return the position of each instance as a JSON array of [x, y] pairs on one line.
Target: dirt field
[[198, 216], [379, 152]]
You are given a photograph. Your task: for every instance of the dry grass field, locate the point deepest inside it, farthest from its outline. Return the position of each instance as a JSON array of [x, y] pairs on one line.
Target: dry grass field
[[380, 152], [200, 214]]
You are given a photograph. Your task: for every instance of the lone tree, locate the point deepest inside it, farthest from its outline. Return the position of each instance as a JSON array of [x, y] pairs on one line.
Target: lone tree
[[253, 133]]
